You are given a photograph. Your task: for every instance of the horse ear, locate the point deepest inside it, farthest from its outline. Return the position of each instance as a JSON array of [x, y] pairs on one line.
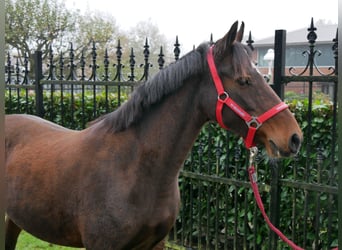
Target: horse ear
[[224, 44], [231, 35], [239, 35]]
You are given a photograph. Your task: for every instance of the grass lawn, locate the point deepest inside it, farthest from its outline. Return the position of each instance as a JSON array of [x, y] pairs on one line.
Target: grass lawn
[[28, 242]]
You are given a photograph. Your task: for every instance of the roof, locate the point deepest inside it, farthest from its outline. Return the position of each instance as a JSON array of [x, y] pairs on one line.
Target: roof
[[325, 34]]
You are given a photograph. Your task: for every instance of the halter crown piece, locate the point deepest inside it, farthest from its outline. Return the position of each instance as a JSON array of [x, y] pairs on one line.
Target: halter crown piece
[[223, 98]]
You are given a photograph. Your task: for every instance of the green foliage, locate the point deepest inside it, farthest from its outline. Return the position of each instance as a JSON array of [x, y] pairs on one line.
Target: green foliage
[[69, 110], [34, 24], [222, 201]]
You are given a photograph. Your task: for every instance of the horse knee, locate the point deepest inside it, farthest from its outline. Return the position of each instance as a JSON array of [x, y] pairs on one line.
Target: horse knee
[[12, 232]]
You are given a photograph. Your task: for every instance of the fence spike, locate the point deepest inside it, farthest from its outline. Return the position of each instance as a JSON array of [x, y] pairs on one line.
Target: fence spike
[[82, 64], [146, 64], [176, 50], [61, 66], [51, 65], [161, 60], [94, 65], [131, 77], [72, 74], [8, 69], [106, 64], [250, 41]]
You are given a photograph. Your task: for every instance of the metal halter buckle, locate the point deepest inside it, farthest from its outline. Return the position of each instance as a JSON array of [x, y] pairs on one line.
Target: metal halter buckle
[[254, 123], [223, 97]]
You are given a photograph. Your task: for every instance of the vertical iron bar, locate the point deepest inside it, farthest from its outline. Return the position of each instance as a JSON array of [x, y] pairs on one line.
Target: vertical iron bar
[[217, 214], [319, 160], [38, 62], [8, 69], [245, 218], [339, 142], [26, 82], [8, 82], [119, 70], [227, 195], [106, 78], [182, 213], [200, 222], [279, 62], [237, 156], [191, 205], [132, 65], [311, 38], [17, 81], [61, 77], [333, 138], [93, 77], [72, 76], [82, 65], [294, 208], [274, 202], [208, 151]]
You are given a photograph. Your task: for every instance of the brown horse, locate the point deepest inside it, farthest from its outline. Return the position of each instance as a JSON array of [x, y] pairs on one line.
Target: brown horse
[[114, 184]]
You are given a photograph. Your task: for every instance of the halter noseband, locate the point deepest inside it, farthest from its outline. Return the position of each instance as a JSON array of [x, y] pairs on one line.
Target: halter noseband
[[253, 122]]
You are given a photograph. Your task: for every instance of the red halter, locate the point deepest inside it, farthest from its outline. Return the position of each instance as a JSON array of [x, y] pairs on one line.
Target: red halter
[[253, 122]]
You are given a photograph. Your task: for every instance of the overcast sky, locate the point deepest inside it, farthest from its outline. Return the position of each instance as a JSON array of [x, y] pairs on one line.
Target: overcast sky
[[194, 20]]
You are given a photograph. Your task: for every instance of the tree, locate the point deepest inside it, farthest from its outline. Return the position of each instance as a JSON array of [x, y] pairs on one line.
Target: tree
[[35, 24], [40, 24], [146, 31]]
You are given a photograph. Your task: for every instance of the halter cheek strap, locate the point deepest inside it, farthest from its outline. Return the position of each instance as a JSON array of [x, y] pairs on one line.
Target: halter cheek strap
[[223, 98]]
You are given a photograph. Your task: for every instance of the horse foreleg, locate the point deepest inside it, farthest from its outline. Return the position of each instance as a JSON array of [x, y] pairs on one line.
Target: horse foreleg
[[12, 232]]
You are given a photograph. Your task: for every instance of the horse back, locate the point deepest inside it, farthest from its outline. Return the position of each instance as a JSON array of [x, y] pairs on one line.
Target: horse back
[[25, 128]]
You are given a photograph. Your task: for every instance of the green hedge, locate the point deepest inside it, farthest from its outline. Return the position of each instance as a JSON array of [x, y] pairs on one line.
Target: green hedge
[[216, 152], [69, 110]]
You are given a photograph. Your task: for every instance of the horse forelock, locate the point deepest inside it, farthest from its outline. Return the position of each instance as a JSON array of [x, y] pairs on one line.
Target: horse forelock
[[151, 92], [242, 63]]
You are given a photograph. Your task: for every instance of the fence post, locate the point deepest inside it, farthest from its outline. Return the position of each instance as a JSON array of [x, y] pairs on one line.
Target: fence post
[[274, 203], [278, 87], [38, 70], [339, 132], [279, 62]]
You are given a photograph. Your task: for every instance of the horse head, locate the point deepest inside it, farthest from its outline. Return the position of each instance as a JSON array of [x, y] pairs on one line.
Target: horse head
[[245, 103]]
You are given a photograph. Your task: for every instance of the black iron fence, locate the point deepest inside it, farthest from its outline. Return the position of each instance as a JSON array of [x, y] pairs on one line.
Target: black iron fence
[[218, 209]]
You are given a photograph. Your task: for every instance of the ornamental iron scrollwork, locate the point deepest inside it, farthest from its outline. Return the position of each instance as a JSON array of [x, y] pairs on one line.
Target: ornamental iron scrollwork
[[312, 53]]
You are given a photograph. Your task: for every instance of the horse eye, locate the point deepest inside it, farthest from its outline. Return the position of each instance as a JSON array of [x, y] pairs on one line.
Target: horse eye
[[244, 81]]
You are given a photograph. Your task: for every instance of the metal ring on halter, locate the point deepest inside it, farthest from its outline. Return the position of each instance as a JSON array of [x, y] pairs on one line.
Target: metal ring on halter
[[223, 97], [253, 123]]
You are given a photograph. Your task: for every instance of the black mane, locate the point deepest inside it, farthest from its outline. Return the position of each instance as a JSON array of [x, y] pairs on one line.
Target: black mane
[[169, 80], [164, 83]]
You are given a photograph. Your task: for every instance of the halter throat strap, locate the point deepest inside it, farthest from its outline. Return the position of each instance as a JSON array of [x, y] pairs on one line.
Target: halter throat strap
[[223, 98]]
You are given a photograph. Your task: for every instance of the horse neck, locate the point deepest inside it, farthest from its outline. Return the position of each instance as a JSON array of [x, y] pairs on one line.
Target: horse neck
[[167, 132]]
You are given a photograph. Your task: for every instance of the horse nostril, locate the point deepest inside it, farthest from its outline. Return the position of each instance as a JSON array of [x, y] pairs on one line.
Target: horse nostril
[[294, 143]]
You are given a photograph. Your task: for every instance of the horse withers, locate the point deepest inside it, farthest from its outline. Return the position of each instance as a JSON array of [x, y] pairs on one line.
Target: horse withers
[[114, 185]]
